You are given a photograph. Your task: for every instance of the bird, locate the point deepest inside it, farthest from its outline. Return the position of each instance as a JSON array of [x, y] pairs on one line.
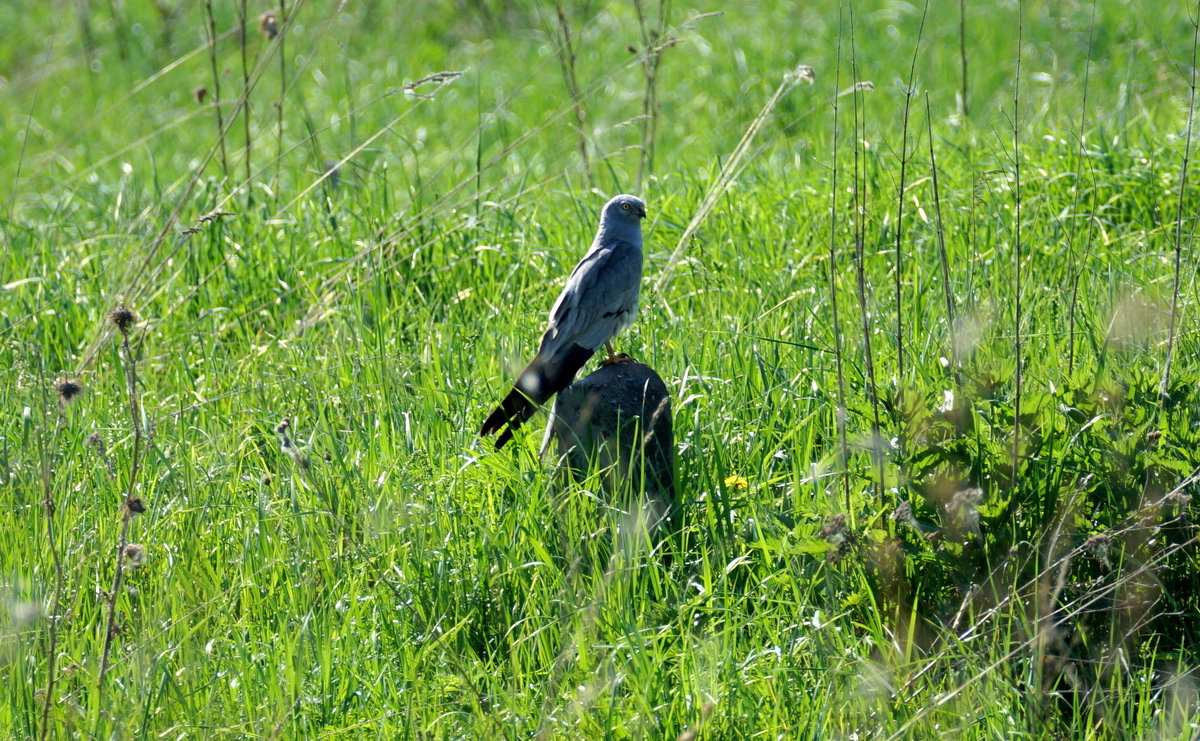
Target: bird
[[599, 300]]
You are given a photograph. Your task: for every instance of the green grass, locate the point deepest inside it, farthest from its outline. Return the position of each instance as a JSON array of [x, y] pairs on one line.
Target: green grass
[[394, 577]]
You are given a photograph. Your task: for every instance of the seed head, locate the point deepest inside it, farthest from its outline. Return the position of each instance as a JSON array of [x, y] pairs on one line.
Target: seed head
[[267, 25], [67, 390], [123, 318], [1099, 546], [135, 555], [297, 455], [803, 73], [834, 529], [836, 532], [963, 512]]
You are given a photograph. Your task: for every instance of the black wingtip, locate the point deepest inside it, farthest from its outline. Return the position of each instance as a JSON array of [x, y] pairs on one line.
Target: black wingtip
[[506, 418], [542, 380]]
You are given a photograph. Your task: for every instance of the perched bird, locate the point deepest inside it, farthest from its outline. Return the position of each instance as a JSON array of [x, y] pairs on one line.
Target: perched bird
[[599, 300]]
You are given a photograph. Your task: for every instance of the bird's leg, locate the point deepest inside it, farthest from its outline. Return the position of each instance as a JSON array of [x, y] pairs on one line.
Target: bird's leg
[[614, 356]]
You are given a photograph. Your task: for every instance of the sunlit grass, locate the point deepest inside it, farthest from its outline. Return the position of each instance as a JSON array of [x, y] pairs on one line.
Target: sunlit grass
[[381, 572]]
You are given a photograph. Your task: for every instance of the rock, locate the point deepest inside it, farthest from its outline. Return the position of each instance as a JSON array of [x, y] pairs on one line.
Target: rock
[[617, 420]]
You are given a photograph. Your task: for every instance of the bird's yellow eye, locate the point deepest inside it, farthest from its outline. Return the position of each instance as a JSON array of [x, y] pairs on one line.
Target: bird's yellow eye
[[625, 206]]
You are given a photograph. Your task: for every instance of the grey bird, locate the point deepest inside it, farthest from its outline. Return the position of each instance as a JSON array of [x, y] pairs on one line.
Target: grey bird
[[599, 300]]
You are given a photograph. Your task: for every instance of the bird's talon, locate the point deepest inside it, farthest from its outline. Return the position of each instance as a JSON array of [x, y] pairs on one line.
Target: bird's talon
[[618, 358]]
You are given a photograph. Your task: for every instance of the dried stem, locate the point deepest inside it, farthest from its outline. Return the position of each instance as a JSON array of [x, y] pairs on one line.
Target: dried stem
[[281, 25], [860, 208], [945, 262], [567, 59], [212, 58], [652, 36], [1183, 172], [729, 170], [1072, 267], [1016, 446], [840, 413], [245, 100], [899, 285], [962, 53], [130, 506], [56, 558]]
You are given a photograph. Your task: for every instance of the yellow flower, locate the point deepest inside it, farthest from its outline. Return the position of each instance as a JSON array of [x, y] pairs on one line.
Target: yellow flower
[[736, 482]]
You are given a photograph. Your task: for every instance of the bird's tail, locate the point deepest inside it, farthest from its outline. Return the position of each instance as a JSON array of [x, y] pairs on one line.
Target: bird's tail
[[541, 379]]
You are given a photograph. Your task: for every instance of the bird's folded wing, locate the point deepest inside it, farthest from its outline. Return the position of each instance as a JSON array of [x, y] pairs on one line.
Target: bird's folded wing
[[598, 298]]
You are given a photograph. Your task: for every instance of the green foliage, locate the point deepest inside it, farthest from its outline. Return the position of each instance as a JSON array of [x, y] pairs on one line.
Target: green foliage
[[373, 569]]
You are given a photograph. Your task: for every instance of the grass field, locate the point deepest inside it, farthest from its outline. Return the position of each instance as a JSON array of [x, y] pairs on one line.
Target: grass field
[[931, 342]]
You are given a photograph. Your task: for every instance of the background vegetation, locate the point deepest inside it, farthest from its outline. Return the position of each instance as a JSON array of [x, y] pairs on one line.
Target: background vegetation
[[931, 340]]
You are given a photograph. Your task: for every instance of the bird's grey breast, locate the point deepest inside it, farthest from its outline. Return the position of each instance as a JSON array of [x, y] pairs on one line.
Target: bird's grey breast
[[619, 283], [624, 265], [600, 298]]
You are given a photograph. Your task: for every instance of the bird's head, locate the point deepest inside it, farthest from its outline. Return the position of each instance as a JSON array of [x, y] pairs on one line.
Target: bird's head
[[624, 209]]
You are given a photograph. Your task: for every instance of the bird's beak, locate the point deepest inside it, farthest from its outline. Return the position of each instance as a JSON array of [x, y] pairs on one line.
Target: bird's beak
[[641, 212]]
